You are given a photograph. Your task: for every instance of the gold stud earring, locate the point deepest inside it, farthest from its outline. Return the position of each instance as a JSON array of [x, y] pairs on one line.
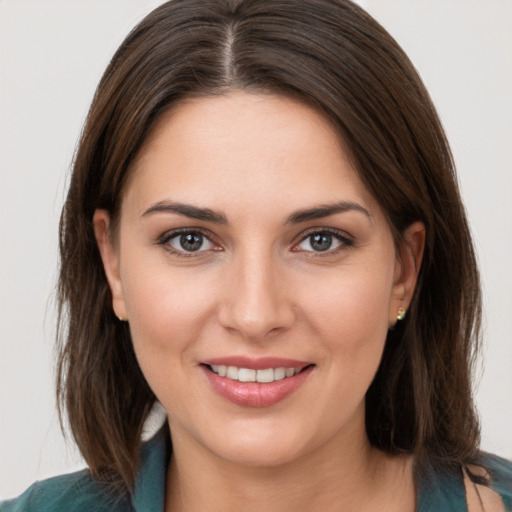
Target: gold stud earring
[[400, 314]]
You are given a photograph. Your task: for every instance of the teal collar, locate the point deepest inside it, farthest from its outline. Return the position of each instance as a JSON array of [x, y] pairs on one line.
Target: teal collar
[[149, 495]]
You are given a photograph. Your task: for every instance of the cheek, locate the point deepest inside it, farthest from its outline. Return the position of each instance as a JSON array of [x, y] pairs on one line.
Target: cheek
[[350, 315], [352, 322], [167, 315], [166, 310], [355, 300]]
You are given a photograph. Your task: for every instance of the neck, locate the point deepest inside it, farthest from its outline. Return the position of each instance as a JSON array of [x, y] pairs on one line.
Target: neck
[[336, 476]]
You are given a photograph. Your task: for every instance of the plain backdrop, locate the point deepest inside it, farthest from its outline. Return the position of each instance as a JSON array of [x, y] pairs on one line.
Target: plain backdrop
[[52, 54]]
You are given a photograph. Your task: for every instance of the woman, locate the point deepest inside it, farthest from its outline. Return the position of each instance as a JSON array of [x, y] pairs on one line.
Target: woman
[[264, 233]]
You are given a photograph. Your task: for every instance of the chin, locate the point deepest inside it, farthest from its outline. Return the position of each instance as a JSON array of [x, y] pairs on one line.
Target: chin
[[259, 455], [258, 448]]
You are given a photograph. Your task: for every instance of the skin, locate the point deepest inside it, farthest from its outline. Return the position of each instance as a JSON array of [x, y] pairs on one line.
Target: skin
[[257, 287]]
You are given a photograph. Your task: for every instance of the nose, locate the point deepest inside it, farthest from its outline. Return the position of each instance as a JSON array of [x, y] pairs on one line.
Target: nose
[[256, 301]]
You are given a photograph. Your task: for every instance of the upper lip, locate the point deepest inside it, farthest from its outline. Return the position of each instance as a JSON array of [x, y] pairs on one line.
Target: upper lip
[[260, 363]]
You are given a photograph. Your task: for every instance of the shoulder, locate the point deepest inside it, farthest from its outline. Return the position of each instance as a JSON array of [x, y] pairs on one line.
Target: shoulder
[[497, 495], [79, 492], [74, 492], [483, 487]]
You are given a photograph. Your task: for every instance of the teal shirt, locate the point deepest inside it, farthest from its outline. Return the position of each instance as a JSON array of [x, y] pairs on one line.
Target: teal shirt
[[78, 492], [440, 491]]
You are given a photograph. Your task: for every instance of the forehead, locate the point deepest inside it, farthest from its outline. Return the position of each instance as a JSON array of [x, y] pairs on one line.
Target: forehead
[[245, 147]]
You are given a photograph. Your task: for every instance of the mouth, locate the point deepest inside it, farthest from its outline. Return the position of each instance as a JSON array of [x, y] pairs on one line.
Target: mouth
[[256, 383], [263, 376]]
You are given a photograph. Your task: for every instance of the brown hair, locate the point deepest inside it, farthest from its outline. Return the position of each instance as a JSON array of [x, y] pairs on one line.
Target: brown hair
[[334, 56]]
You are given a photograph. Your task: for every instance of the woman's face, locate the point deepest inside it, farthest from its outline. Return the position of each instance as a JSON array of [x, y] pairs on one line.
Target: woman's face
[[248, 246]]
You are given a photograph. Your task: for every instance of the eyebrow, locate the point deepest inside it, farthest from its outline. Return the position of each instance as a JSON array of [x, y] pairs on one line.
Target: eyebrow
[[187, 210], [325, 210], [206, 214]]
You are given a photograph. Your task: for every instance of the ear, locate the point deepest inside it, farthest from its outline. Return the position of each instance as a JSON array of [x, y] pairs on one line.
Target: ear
[[407, 267], [110, 258]]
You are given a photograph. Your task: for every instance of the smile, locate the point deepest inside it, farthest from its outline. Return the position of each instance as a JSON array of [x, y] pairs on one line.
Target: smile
[[259, 382], [265, 375]]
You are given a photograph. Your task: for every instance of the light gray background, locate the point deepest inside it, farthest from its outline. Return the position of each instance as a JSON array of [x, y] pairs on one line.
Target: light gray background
[[52, 54]]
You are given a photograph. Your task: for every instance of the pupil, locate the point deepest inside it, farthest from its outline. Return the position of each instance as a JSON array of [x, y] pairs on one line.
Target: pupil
[[191, 241], [321, 242]]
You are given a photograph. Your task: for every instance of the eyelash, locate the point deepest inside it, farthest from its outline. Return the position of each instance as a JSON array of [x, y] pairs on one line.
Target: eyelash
[[164, 240], [346, 241]]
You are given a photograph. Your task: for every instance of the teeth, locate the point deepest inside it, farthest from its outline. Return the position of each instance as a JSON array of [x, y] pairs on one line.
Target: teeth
[[246, 375], [279, 373], [250, 375], [232, 372], [265, 375]]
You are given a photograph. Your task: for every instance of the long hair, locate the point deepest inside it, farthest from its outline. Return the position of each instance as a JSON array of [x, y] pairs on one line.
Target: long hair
[[333, 56]]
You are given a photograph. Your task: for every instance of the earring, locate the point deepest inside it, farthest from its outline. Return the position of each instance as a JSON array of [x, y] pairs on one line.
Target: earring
[[400, 314], [121, 319]]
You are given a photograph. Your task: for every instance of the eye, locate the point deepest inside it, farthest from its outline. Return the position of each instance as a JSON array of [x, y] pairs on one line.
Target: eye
[[323, 241], [187, 242]]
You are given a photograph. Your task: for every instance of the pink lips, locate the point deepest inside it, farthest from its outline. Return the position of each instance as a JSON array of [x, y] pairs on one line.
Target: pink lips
[[256, 394]]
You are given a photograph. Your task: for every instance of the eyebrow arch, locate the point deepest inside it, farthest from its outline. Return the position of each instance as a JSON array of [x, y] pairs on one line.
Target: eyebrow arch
[[324, 210], [187, 210]]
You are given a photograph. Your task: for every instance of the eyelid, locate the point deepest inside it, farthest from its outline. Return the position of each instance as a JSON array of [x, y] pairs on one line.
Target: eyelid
[[345, 238], [164, 239]]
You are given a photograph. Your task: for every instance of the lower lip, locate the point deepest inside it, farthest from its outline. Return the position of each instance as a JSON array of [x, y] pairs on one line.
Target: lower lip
[[256, 394]]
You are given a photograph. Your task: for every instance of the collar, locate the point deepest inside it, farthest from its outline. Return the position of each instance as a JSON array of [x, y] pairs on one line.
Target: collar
[[149, 495]]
